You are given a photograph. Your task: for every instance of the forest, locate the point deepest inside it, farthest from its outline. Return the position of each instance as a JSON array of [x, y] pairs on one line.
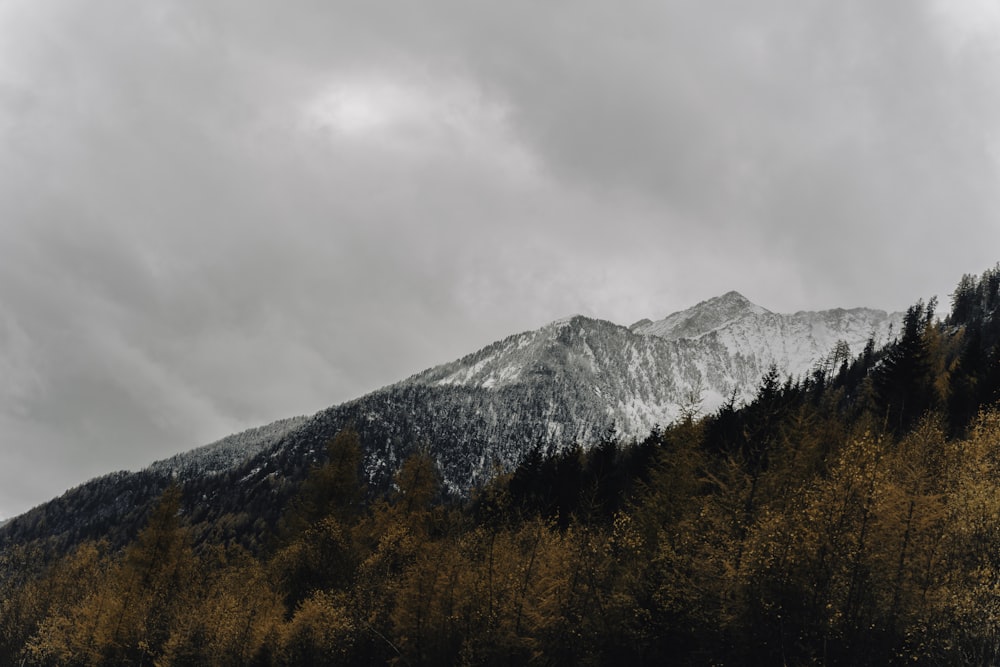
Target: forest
[[848, 517]]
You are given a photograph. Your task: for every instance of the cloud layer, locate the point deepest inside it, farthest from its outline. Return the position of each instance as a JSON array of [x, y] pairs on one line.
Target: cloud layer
[[215, 214]]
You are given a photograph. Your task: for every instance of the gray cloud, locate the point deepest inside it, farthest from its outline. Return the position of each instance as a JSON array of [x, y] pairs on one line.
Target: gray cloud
[[215, 214]]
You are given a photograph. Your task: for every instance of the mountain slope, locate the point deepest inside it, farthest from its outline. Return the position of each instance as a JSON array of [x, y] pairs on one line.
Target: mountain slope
[[700, 319], [571, 381], [644, 373], [228, 452], [566, 383]]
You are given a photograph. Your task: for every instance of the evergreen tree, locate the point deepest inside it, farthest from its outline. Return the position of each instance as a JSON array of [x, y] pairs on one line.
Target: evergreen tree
[[904, 382]]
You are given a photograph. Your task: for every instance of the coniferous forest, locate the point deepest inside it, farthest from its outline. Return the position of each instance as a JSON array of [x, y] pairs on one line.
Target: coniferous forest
[[848, 517]]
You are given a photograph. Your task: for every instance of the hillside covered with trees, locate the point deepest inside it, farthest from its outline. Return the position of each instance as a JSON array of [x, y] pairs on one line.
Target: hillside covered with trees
[[848, 517]]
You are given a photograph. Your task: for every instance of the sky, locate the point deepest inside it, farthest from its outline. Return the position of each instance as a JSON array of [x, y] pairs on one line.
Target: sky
[[218, 213]]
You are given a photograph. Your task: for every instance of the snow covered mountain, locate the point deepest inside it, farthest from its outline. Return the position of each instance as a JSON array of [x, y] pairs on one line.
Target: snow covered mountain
[[795, 344], [702, 318], [571, 381], [644, 373], [566, 383], [637, 377]]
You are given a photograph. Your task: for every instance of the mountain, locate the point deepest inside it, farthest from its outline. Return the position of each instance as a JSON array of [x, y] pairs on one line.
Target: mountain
[[570, 382], [228, 452], [795, 344], [702, 318]]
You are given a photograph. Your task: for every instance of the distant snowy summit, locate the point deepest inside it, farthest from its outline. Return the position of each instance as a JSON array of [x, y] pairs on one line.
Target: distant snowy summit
[[795, 343], [702, 318], [719, 347]]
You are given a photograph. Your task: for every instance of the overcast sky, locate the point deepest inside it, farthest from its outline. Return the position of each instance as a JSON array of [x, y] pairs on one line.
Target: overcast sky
[[217, 213]]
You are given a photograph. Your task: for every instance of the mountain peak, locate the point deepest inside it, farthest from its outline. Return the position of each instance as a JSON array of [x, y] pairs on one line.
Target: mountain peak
[[702, 317], [732, 300], [563, 321]]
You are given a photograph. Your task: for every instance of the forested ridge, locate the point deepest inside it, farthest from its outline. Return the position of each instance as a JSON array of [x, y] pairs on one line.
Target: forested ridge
[[848, 517], [561, 385]]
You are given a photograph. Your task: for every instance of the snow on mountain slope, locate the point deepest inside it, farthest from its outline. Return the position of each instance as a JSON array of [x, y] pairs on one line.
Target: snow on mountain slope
[[796, 343], [702, 318], [597, 368], [228, 452], [572, 380], [641, 376]]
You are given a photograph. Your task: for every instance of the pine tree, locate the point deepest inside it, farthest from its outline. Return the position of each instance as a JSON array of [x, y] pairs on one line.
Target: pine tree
[[904, 382]]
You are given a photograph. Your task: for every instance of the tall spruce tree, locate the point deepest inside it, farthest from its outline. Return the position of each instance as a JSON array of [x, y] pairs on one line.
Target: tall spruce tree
[[904, 382]]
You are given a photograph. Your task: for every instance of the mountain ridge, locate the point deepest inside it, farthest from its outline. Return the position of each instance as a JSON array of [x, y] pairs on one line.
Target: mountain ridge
[[564, 384], [575, 377], [701, 318]]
